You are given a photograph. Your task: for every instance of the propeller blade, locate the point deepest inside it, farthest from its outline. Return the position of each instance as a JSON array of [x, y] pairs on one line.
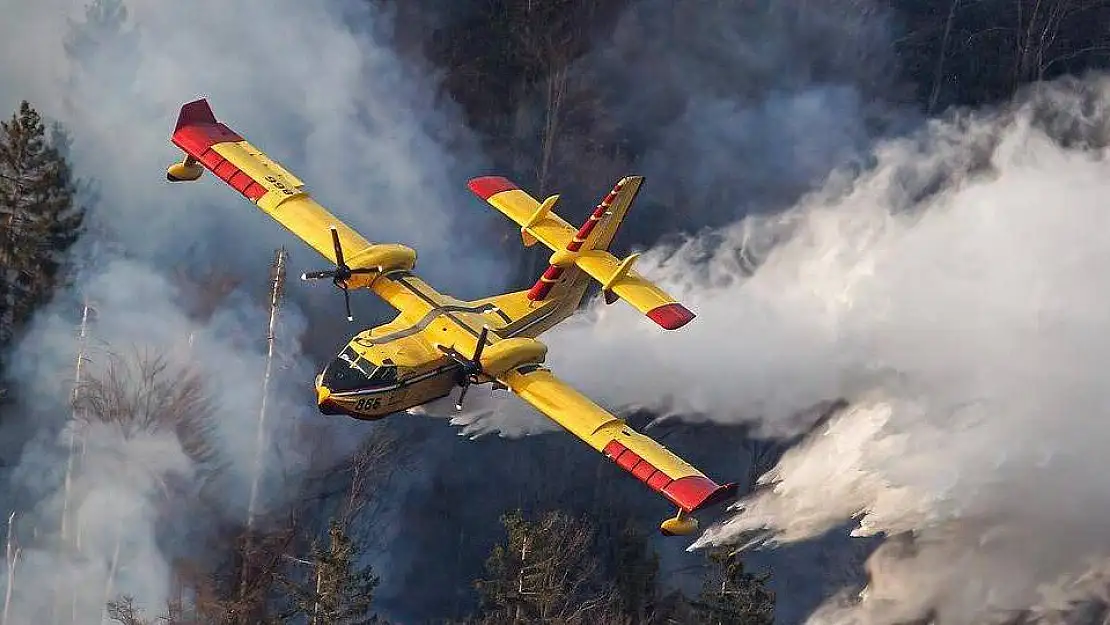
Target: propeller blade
[[481, 345], [316, 275], [462, 395], [347, 302], [338, 247]]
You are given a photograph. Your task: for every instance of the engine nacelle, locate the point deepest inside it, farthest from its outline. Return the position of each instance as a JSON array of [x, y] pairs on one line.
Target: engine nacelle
[[508, 354], [384, 256], [185, 171]]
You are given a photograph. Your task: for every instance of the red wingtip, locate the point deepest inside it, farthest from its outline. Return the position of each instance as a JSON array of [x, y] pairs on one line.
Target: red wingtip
[[197, 130], [195, 112], [486, 187], [695, 492], [671, 316]]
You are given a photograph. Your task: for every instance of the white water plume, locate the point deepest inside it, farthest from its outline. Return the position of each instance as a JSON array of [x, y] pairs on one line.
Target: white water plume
[[955, 295]]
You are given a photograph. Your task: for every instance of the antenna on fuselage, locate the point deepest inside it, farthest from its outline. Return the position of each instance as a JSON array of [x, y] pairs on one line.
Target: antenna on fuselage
[[340, 274]]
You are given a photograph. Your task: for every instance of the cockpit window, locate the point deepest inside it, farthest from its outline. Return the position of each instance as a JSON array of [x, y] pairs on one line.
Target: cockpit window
[[351, 372], [340, 376], [384, 373]]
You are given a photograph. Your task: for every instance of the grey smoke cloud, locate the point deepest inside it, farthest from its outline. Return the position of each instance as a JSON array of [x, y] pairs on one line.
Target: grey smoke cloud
[[986, 441], [334, 104], [962, 314], [741, 106], [736, 108], [951, 291], [951, 294]]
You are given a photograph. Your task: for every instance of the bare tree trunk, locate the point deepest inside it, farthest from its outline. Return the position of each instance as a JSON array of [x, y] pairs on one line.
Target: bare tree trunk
[[276, 288], [1060, 10], [316, 605], [556, 84], [938, 74], [68, 531], [12, 556], [112, 568], [73, 426], [520, 579], [1025, 30]]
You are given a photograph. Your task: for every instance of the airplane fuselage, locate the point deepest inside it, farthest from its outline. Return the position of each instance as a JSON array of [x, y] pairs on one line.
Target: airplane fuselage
[[402, 364], [408, 391], [437, 342]]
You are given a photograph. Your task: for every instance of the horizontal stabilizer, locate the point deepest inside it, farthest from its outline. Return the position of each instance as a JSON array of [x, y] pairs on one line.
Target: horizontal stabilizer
[[586, 247]]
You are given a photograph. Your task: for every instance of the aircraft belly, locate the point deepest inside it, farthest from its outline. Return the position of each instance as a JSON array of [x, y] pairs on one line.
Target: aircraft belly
[[430, 389], [374, 405]]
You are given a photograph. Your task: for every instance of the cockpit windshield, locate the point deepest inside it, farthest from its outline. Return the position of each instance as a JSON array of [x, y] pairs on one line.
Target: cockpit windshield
[[351, 372]]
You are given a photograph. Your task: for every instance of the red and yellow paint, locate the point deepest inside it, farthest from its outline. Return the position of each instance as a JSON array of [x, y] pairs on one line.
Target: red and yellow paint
[[429, 321]]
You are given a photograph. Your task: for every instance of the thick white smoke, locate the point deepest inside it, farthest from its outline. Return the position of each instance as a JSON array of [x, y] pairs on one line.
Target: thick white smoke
[[304, 83], [954, 295]]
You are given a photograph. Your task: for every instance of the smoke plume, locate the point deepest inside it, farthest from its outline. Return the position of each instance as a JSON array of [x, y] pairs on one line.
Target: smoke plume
[[946, 282], [330, 101], [733, 111], [967, 327], [951, 294]]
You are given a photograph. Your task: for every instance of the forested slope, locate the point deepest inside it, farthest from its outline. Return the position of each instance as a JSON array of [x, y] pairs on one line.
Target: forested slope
[[127, 352]]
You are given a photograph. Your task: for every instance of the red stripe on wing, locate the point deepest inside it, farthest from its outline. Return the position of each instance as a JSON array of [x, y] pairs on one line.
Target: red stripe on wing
[[593, 219], [695, 491], [690, 493], [543, 286]]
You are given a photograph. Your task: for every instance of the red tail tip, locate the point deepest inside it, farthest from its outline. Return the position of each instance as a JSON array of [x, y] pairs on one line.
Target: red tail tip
[[489, 186], [195, 112], [671, 316]]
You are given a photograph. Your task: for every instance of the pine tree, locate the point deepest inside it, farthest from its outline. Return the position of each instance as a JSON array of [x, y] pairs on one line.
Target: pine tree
[[105, 25], [546, 573], [732, 596], [636, 568], [39, 220], [341, 591], [103, 42]]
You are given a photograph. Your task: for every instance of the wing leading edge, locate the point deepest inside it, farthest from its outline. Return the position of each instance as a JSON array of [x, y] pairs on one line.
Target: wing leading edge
[[647, 460], [211, 145]]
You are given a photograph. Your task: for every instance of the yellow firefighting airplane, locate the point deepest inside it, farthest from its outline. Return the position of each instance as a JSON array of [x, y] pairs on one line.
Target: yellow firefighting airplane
[[437, 342]]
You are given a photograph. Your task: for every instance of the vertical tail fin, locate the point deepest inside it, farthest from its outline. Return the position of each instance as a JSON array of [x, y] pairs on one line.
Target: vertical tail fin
[[596, 233], [602, 225]]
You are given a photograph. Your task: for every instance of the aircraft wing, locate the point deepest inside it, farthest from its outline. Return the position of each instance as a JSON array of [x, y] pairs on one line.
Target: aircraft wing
[[536, 220], [211, 145], [647, 460], [619, 279]]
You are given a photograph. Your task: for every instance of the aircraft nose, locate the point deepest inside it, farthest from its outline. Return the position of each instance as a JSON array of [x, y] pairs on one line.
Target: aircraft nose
[[324, 403]]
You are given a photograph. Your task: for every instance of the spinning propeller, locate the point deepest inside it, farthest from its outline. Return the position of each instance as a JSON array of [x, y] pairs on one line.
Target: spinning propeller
[[340, 274], [471, 367]]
